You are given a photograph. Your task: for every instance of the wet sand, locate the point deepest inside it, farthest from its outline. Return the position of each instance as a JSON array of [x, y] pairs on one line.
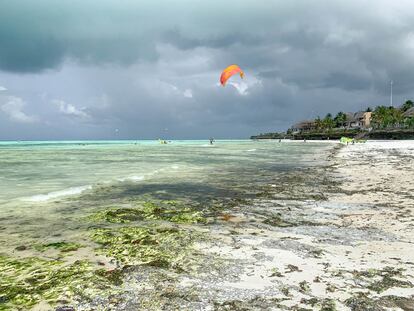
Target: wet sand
[[352, 251], [339, 238]]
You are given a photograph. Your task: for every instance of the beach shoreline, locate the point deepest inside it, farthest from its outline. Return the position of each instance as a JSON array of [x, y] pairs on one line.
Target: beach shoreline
[[333, 233], [351, 251]]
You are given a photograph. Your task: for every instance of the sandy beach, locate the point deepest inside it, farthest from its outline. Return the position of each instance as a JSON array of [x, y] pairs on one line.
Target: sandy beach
[[351, 251]]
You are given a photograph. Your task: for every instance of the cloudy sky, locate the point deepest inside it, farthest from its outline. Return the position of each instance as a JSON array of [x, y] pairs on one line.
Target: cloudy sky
[[120, 69]]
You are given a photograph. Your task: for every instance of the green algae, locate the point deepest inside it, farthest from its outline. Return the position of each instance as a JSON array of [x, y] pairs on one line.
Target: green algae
[[361, 302], [331, 287], [286, 291], [276, 273], [312, 301], [328, 305], [118, 215], [256, 303], [383, 279], [171, 211], [27, 281], [316, 253], [156, 246], [388, 282], [277, 221], [304, 287], [292, 268], [61, 246]]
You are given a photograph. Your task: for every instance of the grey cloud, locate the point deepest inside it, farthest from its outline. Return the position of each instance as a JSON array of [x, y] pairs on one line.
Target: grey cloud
[[143, 66]]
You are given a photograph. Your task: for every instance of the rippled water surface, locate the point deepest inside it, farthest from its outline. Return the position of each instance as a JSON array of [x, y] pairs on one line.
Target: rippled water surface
[[46, 186]]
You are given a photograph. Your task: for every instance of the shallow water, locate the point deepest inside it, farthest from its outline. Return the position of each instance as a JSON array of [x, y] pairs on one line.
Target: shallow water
[[46, 186]]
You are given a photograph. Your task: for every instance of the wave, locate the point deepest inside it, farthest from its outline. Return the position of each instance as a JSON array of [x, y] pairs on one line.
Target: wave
[[77, 190], [57, 194], [250, 150], [132, 178]]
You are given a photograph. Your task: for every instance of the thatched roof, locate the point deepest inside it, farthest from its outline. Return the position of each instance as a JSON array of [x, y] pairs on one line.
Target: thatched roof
[[409, 112], [304, 124]]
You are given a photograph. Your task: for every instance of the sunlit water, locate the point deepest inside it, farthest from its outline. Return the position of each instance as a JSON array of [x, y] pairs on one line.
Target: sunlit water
[[45, 187]]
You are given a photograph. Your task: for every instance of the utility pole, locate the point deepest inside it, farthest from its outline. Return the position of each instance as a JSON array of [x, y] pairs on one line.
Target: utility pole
[[391, 83]]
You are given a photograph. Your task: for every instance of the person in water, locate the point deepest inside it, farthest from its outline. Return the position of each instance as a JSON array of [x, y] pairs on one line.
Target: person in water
[[211, 141]]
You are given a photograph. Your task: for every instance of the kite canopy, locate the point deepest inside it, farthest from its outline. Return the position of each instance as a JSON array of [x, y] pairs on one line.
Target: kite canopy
[[228, 72]]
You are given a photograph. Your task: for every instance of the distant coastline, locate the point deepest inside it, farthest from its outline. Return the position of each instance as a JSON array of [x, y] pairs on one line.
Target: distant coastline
[[387, 134], [388, 123]]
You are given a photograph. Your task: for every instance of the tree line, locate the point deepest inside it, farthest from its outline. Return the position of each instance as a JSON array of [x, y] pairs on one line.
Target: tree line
[[382, 117]]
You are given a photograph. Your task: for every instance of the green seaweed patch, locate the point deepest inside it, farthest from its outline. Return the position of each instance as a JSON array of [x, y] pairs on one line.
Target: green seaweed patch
[[388, 282], [312, 301], [361, 302], [328, 305], [304, 287], [27, 281], [276, 273], [166, 210], [277, 221], [155, 246], [118, 215], [61, 246], [172, 211], [316, 253], [383, 279]]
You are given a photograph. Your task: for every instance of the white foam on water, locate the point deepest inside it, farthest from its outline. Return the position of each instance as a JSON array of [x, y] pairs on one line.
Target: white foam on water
[[57, 194], [250, 150], [133, 178]]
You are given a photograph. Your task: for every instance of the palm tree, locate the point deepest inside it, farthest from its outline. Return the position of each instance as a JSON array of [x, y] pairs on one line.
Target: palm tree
[[397, 117], [319, 123], [340, 119], [407, 105], [384, 117], [409, 122], [379, 116], [328, 121]]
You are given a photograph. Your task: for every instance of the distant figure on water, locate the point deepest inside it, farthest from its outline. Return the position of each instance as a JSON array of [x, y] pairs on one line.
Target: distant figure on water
[[211, 141]]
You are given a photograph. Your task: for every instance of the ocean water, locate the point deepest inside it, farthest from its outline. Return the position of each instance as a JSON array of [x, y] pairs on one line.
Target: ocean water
[[46, 186]]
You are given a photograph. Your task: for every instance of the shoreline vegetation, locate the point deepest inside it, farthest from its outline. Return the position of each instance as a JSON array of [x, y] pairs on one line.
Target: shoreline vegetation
[[387, 123]]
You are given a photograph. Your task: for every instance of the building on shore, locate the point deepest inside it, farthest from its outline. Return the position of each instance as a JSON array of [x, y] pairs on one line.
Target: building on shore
[[409, 113], [358, 120], [304, 126]]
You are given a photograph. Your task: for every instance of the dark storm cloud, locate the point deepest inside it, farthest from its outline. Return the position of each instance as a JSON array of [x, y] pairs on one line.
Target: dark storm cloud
[[84, 68]]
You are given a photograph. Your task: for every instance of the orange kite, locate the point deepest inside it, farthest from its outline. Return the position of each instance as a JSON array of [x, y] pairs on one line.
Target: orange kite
[[228, 72]]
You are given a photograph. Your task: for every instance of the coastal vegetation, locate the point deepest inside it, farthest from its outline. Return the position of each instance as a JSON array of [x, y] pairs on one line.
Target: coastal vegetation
[[385, 122]]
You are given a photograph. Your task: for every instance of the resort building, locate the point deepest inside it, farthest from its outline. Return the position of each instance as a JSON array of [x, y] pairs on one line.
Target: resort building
[[360, 119], [409, 113], [304, 126]]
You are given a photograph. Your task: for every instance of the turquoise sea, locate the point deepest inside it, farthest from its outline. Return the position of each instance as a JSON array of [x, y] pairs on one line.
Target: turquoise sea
[[45, 186]]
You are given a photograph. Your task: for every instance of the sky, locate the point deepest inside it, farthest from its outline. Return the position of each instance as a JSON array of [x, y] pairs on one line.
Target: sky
[[123, 69]]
